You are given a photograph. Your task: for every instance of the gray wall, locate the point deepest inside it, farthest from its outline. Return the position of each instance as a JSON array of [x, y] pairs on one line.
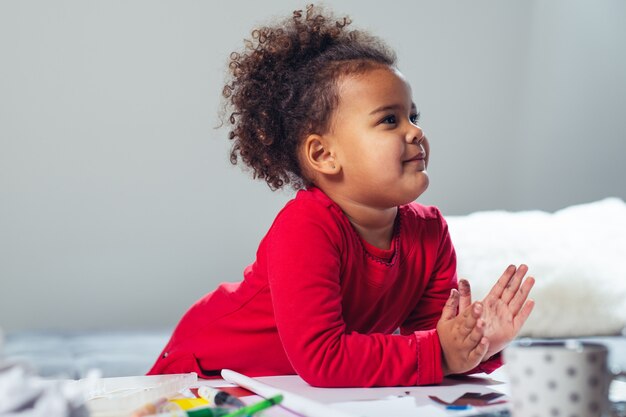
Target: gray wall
[[119, 208]]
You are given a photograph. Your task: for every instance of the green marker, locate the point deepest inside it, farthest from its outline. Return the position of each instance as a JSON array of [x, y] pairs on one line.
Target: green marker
[[255, 408], [206, 412], [194, 412]]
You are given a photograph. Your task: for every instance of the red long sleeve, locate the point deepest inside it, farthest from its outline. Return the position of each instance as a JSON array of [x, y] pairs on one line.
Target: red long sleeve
[[321, 302]]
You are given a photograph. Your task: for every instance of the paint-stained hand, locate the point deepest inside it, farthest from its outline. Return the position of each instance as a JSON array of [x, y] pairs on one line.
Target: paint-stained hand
[[461, 336], [505, 308]]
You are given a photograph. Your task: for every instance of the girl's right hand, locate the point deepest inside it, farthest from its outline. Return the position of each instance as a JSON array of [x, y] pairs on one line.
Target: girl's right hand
[[461, 335]]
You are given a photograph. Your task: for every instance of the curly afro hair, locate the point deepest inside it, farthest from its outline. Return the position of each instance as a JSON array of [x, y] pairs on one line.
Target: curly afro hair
[[283, 87]]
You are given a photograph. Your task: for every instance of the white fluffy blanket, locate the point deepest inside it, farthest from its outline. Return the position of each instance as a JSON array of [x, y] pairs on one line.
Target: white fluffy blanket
[[577, 256]]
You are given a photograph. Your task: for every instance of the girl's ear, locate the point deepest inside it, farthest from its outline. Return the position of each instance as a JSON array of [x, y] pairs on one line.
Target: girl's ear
[[319, 155]]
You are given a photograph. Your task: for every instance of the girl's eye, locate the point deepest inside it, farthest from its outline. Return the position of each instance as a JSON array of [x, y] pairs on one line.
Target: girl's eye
[[390, 120]]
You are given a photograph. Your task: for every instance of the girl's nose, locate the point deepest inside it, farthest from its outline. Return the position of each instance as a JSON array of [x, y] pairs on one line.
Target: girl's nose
[[415, 134]]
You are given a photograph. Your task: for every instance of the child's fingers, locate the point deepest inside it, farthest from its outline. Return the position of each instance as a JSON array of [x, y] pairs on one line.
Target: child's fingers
[[466, 294], [511, 289], [469, 319], [520, 319], [479, 352], [502, 282], [520, 297], [451, 306], [476, 334]]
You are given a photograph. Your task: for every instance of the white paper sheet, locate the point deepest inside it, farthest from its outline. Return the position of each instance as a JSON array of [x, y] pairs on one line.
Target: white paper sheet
[[396, 407], [393, 401]]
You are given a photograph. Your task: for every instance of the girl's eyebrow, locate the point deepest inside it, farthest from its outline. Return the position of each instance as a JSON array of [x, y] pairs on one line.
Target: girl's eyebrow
[[389, 107]]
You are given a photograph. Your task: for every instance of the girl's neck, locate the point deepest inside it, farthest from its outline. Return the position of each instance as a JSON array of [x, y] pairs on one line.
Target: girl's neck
[[375, 225]]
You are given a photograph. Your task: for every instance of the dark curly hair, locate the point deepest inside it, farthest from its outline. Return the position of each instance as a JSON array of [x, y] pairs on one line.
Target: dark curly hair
[[283, 87]]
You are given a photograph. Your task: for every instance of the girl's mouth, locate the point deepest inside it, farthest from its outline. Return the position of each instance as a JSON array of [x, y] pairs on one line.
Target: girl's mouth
[[419, 157]]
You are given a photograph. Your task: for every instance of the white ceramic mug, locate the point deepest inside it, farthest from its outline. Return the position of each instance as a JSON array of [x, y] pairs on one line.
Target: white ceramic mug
[[558, 378]]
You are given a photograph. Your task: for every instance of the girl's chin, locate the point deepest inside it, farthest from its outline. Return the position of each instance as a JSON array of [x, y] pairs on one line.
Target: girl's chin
[[421, 188]]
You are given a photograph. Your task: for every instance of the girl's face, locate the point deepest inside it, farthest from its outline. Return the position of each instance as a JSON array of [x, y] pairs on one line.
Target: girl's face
[[381, 150]]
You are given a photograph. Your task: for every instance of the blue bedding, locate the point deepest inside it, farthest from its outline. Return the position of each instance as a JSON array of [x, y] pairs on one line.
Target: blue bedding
[[73, 354]]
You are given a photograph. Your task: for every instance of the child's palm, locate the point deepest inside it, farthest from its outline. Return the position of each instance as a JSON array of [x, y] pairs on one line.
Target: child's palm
[[502, 323], [505, 307]]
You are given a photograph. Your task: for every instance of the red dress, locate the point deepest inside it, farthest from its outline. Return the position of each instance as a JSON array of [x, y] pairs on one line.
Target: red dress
[[321, 302]]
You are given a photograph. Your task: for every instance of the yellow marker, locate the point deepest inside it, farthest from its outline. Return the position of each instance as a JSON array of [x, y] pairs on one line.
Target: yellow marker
[[190, 403]]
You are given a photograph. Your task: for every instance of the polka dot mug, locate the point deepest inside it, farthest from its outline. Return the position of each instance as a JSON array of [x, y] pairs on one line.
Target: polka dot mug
[[558, 378]]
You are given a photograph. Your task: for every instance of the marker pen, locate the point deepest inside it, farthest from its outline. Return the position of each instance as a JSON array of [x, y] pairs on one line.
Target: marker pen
[[219, 398], [196, 412], [255, 408], [458, 407]]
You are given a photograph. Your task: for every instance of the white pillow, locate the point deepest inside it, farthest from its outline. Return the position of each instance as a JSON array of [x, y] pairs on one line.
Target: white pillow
[[577, 255]]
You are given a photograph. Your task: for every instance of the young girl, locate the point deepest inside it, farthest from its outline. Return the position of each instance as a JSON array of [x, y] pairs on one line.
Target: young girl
[[352, 258]]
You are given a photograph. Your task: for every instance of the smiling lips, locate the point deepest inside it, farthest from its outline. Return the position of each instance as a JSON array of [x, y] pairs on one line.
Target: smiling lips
[[419, 157]]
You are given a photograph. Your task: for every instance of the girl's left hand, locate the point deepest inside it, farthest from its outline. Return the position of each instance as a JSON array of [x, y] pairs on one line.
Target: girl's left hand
[[505, 308]]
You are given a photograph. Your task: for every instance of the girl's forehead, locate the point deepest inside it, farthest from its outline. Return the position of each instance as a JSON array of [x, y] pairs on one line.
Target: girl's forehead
[[378, 84]]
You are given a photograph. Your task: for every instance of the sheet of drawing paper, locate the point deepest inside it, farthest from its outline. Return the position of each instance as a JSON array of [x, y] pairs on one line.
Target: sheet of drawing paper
[[397, 407], [448, 391]]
